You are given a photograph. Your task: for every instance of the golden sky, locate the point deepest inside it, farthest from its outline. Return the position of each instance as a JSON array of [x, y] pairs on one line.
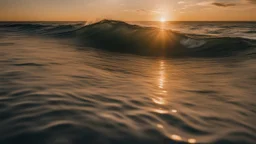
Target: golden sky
[[128, 10]]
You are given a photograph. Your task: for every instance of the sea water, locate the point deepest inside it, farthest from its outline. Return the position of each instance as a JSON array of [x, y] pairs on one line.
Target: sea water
[[74, 83]]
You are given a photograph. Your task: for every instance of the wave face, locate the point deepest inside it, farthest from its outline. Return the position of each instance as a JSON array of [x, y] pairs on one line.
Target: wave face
[[119, 36]]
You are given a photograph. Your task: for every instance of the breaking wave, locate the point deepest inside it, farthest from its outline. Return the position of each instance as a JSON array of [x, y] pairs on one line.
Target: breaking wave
[[122, 37]]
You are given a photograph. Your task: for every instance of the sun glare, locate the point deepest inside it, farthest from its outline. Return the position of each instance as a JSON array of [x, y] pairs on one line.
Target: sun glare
[[162, 19]]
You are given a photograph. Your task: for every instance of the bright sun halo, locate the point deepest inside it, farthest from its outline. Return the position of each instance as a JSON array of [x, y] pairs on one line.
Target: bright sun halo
[[162, 19]]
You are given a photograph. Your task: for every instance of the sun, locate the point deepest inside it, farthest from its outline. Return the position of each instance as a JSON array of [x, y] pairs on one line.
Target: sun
[[162, 19]]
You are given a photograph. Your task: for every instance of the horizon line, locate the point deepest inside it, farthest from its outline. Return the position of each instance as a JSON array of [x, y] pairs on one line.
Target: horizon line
[[130, 20]]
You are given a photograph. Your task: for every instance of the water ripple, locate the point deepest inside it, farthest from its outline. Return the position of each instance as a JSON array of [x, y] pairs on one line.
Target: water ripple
[[61, 95]]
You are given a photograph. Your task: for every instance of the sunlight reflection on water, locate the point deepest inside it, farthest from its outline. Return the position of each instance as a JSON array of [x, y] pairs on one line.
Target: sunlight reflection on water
[[161, 92], [192, 141], [176, 137]]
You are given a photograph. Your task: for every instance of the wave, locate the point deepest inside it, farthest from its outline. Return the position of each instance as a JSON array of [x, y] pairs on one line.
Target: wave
[[120, 36]]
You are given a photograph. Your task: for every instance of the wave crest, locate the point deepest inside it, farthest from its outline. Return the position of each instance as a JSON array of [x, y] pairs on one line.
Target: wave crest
[[119, 36]]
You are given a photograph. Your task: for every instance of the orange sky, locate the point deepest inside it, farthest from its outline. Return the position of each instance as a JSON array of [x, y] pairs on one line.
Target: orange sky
[[128, 10]]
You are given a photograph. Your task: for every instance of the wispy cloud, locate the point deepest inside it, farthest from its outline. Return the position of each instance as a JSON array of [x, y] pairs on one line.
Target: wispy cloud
[[223, 4], [205, 3], [144, 11], [181, 2], [251, 1], [141, 10], [149, 11]]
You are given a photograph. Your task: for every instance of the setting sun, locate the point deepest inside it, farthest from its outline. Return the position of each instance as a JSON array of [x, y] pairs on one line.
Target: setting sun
[[162, 19]]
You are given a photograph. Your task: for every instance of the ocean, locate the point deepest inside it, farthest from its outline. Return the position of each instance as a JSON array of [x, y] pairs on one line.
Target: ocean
[[114, 82]]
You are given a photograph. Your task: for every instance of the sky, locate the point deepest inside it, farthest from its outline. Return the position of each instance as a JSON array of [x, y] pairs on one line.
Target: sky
[[128, 10]]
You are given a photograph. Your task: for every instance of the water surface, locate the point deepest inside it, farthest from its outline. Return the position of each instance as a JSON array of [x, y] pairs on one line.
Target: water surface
[[55, 90]]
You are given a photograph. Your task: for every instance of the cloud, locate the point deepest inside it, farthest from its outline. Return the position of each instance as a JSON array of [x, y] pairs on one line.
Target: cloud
[[181, 2], [141, 10], [204, 3], [223, 4], [149, 11], [251, 1], [144, 11]]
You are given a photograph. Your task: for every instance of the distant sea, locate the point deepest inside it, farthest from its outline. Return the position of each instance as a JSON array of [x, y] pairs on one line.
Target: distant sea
[[115, 82]]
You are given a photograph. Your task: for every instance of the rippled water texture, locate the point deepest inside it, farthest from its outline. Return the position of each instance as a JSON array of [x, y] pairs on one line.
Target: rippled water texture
[[53, 91]]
